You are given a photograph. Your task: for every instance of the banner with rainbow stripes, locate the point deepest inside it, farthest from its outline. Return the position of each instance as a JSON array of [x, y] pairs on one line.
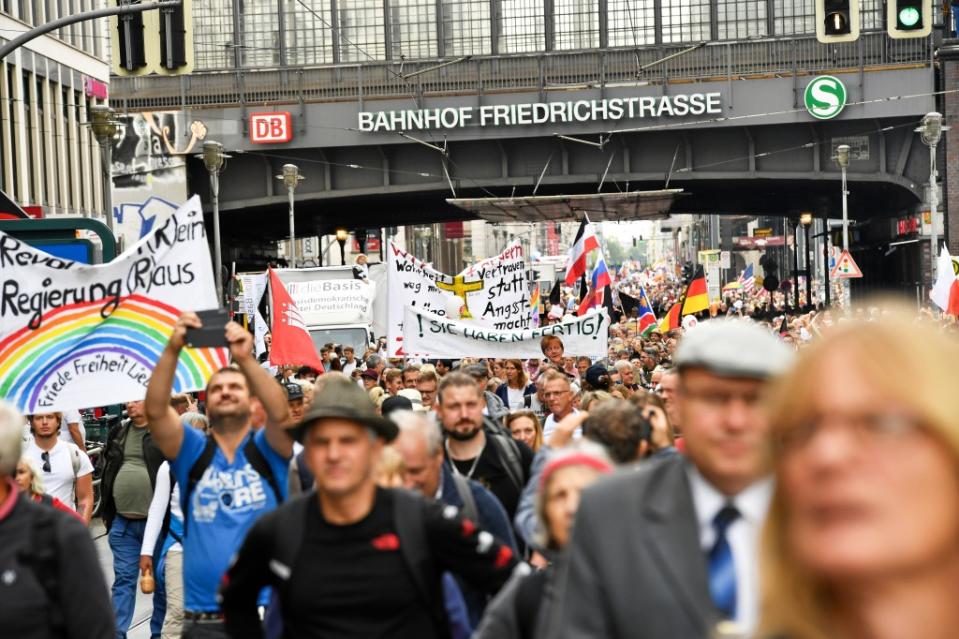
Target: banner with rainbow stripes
[[74, 335]]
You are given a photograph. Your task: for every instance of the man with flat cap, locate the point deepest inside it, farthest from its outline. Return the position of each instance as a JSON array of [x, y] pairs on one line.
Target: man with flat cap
[[671, 550], [351, 559]]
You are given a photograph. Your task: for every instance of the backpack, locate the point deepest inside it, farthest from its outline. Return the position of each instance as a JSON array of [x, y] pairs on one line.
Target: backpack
[[409, 519], [42, 557], [462, 485], [253, 456], [509, 453]]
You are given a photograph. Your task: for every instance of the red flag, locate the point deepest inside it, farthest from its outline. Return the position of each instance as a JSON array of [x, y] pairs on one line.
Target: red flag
[[291, 341], [953, 308]]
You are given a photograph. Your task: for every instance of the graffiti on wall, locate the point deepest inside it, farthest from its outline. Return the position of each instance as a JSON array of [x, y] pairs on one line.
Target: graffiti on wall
[[149, 169]]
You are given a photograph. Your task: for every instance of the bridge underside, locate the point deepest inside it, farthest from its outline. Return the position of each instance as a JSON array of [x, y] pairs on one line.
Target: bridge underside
[[761, 170]]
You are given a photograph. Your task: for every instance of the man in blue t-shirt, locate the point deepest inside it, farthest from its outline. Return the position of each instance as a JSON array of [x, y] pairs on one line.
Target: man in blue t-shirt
[[226, 482]]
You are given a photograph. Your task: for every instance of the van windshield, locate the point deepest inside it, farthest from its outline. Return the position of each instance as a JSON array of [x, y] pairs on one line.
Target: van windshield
[[356, 336]]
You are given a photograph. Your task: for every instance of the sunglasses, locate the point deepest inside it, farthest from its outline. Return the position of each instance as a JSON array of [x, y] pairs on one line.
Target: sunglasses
[[45, 456]]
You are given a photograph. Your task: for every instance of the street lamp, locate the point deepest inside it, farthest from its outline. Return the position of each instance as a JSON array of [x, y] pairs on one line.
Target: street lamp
[[806, 220], [104, 127], [931, 131], [341, 235], [842, 159], [215, 162], [291, 177]]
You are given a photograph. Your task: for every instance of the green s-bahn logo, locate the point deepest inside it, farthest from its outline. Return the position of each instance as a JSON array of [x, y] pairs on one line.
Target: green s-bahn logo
[[825, 97]]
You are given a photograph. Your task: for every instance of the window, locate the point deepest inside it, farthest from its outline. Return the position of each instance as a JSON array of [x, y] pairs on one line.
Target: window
[[685, 20], [741, 19], [309, 37], [631, 22], [466, 27], [870, 14], [213, 34], [362, 34], [259, 32], [576, 24], [413, 28], [523, 26], [794, 17]]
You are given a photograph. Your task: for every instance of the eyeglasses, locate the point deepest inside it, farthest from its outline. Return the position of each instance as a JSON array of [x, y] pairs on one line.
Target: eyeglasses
[[866, 429], [45, 456]]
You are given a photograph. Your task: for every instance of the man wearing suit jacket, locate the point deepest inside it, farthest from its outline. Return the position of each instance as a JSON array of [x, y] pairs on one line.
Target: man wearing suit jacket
[[670, 551]]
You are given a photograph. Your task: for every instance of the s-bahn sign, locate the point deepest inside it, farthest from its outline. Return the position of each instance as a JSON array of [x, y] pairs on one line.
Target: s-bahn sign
[[532, 113], [825, 97]]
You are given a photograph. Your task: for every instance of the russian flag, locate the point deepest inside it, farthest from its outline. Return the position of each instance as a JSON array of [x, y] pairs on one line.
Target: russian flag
[[647, 319], [585, 242], [599, 281]]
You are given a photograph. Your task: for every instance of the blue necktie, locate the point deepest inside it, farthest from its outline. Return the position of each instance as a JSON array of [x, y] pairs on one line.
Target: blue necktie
[[722, 569]]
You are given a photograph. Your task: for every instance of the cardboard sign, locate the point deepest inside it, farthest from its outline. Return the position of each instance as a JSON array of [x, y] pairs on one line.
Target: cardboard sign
[[74, 335]]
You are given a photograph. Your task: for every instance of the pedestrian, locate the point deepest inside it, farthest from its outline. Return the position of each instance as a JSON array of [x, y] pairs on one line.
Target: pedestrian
[[427, 385], [411, 376], [475, 450], [514, 612], [494, 407], [349, 360], [131, 463], [67, 471], [352, 559], [516, 392], [525, 426], [227, 479], [675, 544], [51, 584], [558, 395], [862, 529], [31, 484]]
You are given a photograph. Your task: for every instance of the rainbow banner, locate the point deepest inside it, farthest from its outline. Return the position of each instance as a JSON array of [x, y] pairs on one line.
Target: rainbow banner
[[78, 336]]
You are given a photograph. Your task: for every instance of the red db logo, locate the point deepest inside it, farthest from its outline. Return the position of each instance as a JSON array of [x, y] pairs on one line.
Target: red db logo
[[270, 128]]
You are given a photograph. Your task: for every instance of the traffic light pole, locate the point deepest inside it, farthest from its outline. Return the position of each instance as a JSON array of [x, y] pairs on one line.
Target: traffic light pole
[[36, 32]]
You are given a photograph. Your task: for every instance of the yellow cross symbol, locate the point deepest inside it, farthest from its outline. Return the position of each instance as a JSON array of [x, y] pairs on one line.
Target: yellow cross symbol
[[460, 287]]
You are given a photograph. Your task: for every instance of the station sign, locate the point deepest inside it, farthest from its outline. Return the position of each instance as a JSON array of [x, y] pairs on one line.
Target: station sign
[[274, 127], [825, 97]]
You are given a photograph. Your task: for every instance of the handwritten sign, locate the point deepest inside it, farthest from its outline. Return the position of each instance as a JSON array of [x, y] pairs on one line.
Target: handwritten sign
[[435, 336], [74, 335], [494, 293]]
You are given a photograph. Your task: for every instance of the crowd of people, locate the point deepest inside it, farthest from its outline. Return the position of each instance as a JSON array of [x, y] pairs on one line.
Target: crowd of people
[[790, 477]]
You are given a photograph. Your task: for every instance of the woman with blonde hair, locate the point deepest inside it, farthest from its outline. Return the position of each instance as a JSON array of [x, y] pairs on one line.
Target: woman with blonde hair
[[525, 426], [31, 483], [862, 537]]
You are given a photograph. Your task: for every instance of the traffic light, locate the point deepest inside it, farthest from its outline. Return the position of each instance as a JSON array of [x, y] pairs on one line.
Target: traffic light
[[154, 41], [837, 20], [909, 18]]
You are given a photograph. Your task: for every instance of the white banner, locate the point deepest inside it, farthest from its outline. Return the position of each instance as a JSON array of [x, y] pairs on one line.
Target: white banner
[[77, 336], [495, 290], [438, 337], [254, 286], [325, 302]]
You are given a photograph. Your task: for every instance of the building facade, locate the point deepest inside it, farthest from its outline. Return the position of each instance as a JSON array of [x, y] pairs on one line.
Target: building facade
[[50, 160]]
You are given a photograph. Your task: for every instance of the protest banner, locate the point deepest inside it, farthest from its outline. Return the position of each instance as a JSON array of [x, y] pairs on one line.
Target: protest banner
[[254, 286], [325, 302], [74, 335], [494, 293], [439, 337]]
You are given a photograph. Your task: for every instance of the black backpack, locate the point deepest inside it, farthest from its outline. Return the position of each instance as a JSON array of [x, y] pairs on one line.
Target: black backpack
[[409, 518], [253, 456]]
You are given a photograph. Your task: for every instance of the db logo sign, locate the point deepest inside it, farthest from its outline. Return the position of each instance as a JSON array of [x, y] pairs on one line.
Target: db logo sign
[[270, 128]]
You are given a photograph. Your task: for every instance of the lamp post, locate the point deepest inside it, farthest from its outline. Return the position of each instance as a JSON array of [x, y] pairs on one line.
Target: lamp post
[[215, 162], [796, 267], [104, 131], [842, 159], [291, 177], [931, 132], [341, 235], [806, 220]]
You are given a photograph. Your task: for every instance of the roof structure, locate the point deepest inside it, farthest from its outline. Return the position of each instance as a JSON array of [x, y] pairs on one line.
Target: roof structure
[[599, 207]]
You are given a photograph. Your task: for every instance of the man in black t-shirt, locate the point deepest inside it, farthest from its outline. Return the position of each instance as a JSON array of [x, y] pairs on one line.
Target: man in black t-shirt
[[352, 559], [492, 458]]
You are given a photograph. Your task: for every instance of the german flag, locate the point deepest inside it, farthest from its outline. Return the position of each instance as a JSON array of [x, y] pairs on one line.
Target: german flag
[[671, 320], [696, 297]]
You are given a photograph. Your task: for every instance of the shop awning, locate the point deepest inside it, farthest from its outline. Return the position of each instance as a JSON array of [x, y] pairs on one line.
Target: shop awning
[[599, 207]]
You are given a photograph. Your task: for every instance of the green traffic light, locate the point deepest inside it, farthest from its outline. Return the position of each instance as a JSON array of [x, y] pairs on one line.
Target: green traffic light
[[909, 17]]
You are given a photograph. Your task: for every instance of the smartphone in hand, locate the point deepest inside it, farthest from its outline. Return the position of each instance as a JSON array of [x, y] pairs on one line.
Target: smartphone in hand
[[213, 332]]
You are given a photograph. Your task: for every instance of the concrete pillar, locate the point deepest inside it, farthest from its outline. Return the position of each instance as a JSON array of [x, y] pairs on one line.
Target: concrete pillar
[[949, 60]]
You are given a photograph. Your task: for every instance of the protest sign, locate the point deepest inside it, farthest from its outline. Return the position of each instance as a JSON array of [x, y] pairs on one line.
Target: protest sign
[[494, 293], [325, 302], [74, 335], [254, 285], [440, 337]]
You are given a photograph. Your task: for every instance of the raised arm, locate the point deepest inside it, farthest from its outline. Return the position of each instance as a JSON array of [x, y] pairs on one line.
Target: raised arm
[[165, 426], [264, 387]]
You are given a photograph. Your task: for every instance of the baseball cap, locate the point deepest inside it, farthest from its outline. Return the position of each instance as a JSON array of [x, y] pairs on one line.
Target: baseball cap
[[293, 391], [394, 403]]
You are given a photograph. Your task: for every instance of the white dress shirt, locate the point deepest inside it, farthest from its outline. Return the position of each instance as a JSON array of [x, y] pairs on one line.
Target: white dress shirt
[[742, 535]]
